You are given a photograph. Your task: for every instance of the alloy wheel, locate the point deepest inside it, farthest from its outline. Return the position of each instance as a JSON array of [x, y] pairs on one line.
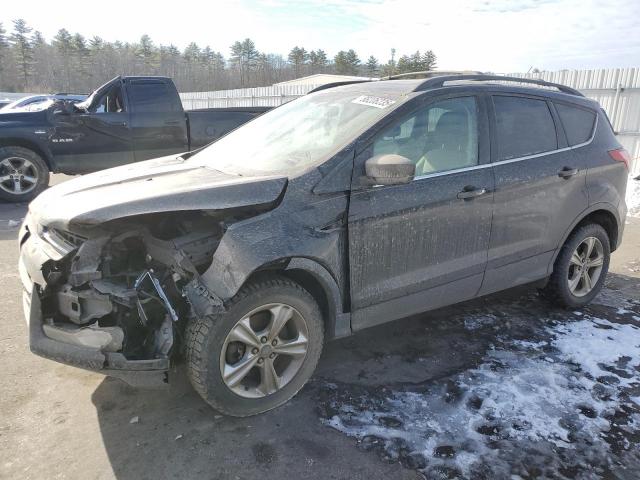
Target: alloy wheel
[[585, 266], [18, 175], [264, 350]]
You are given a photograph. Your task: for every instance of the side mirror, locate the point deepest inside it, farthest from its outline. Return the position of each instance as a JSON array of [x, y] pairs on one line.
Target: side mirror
[[389, 169]]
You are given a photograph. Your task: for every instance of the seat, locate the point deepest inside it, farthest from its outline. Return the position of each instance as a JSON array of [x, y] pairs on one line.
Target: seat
[[450, 140]]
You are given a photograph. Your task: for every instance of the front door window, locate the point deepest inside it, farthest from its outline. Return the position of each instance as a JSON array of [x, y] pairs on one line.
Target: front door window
[[439, 137]]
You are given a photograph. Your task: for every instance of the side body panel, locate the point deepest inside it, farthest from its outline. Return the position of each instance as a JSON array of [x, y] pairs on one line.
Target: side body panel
[[533, 207], [606, 178], [418, 246], [87, 142]]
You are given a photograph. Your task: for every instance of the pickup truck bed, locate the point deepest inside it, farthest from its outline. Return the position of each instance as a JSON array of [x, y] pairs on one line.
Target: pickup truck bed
[[207, 124]]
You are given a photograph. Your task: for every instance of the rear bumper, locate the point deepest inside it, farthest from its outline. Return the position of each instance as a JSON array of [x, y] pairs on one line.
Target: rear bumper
[[75, 350]]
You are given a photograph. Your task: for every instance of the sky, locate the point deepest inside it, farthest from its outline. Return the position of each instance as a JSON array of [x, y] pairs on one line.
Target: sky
[[489, 35]]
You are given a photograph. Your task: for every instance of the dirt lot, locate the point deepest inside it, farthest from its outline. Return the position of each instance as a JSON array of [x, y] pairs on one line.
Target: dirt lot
[[502, 387]]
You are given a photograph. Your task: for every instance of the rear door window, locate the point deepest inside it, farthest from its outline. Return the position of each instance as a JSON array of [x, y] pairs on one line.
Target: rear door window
[[524, 126], [150, 97], [577, 122]]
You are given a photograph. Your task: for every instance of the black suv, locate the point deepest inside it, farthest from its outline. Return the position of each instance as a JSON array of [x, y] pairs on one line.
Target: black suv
[[349, 207]]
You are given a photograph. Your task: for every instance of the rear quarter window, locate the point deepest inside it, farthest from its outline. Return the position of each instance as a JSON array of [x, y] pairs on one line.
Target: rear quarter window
[[150, 97], [577, 122], [524, 126]]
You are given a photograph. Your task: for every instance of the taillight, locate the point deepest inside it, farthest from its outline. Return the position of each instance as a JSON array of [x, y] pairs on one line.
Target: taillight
[[621, 155]]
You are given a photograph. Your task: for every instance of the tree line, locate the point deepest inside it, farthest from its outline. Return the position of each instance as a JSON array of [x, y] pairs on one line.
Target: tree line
[[73, 63]]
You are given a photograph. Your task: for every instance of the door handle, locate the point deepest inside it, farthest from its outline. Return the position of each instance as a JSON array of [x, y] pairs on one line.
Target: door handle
[[567, 172], [471, 192], [118, 124], [172, 123]]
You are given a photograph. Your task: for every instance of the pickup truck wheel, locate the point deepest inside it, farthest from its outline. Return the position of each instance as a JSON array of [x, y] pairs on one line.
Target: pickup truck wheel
[[581, 267], [23, 174], [260, 352]]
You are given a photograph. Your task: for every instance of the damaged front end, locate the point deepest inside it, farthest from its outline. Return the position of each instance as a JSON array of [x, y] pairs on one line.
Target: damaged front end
[[117, 299]]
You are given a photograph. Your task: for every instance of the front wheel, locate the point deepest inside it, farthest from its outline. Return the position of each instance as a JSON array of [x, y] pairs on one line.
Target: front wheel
[[260, 352], [581, 267], [23, 174]]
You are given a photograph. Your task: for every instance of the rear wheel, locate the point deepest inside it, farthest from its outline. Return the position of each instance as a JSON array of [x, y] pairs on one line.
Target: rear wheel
[[581, 267], [23, 174], [258, 354]]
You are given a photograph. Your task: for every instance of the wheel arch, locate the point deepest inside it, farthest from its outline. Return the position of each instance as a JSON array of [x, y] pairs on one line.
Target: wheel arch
[[603, 214], [36, 147], [318, 281]]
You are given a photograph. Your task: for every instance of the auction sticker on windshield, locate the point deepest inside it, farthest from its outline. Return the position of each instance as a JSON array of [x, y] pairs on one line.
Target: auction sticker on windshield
[[372, 101]]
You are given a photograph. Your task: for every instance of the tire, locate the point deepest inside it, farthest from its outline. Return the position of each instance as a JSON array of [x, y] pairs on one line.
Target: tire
[[565, 268], [208, 339], [27, 164]]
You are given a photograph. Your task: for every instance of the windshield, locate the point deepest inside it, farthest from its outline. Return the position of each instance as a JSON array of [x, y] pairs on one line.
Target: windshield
[[86, 103], [297, 135], [30, 104], [24, 101]]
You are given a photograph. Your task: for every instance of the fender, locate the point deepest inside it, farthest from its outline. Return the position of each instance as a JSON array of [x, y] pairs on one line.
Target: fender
[[592, 208], [311, 239]]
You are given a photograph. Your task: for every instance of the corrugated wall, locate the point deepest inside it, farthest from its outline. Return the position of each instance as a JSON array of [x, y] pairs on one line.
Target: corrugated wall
[[616, 89], [245, 97]]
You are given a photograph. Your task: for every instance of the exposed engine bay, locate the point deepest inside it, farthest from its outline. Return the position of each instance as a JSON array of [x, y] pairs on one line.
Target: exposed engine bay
[[129, 288]]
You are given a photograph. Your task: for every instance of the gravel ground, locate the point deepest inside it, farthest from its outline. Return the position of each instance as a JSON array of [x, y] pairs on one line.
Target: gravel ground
[[501, 387]]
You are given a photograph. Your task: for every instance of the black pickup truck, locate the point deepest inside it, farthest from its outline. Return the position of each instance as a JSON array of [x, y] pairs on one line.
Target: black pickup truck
[[126, 120]]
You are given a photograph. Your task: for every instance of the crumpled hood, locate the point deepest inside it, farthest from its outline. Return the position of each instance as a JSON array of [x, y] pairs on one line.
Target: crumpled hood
[[162, 185]]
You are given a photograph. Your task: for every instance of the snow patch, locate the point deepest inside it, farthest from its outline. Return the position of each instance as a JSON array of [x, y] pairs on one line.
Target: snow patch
[[601, 348], [530, 409], [633, 198], [476, 322]]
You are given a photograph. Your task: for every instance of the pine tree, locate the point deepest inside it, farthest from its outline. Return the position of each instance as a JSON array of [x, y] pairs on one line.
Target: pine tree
[[4, 51], [191, 57], [346, 62], [170, 60], [69, 62], [23, 50], [244, 56], [429, 60], [372, 66], [317, 61], [298, 58], [146, 53], [96, 52], [82, 59], [353, 60], [64, 44]]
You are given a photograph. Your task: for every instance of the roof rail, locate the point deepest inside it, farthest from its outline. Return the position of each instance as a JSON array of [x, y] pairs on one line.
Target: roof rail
[[441, 80], [339, 84], [430, 74]]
